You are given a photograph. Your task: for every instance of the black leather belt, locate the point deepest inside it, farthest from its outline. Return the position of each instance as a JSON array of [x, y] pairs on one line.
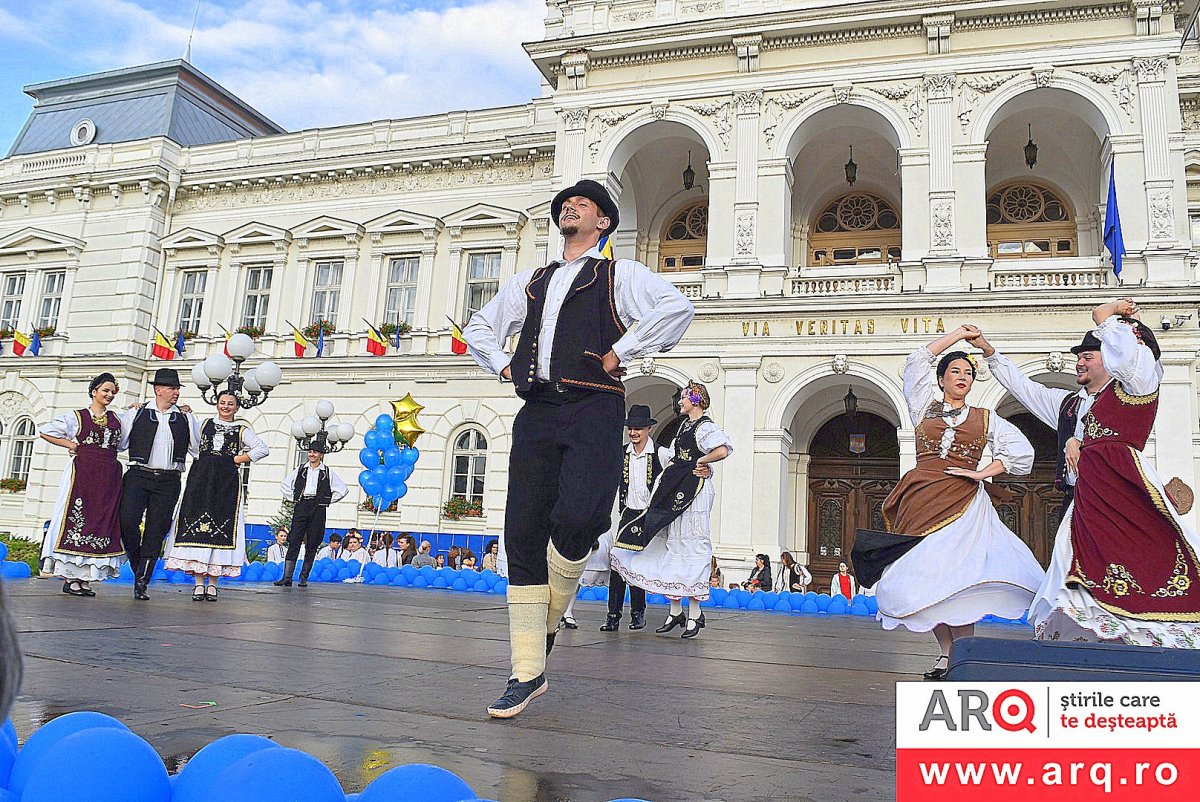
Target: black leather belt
[[156, 471]]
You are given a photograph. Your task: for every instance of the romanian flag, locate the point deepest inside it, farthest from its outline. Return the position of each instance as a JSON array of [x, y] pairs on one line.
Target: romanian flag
[[605, 247], [161, 347], [301, 342], [376, 344], [21, 342], [458, 345]]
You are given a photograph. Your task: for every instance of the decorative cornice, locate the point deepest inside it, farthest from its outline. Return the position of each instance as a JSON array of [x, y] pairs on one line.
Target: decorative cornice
[[844, 36], [1019, 19]]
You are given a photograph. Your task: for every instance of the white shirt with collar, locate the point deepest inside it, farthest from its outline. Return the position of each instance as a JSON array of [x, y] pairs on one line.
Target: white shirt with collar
[[162, 451], [638, 495], [337, 487], [642, 296]]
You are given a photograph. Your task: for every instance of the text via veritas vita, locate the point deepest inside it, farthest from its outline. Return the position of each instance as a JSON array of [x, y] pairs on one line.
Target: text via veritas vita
[[1047, 742]]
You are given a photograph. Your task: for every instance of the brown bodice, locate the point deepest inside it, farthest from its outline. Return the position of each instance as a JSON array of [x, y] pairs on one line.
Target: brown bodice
[[970, 438]]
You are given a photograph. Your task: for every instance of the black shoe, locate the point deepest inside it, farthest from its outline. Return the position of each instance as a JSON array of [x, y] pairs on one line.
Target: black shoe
[[637, 619], [303, 583], [936, 673], [569, 622], [517, 697], [672, 622], [613, 623], [139, 591], [85, 590], [198, 593], [700, 620], [72, 588], [550, 642], [691, 629], [285, 579]]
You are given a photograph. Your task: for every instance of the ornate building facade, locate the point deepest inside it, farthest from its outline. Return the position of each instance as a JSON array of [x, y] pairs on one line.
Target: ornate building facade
[[832, 187]]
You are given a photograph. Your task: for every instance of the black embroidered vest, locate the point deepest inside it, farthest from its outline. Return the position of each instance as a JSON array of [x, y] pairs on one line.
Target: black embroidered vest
[[587, 328], [1068, 416], [324, 492], [145, 426], [653, 469], [686, 447], [233, 439]]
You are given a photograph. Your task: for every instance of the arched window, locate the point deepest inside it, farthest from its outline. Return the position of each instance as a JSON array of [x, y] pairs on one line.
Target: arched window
[[470, 466], [1028, 221], [685, 239], [856, 229], [23, 437]]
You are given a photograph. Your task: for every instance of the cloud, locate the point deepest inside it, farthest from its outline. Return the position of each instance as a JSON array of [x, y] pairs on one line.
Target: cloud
[[309, 64]]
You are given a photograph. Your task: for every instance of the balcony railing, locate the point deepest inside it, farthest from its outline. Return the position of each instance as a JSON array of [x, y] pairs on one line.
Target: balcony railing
[[848, 285], [1005, 277]]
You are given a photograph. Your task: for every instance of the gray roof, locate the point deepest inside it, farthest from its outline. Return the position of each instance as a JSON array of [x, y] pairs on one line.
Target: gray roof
[[171, 99]]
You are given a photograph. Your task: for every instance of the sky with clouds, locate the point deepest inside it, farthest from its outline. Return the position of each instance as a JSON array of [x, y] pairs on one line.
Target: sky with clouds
[[302, 63]]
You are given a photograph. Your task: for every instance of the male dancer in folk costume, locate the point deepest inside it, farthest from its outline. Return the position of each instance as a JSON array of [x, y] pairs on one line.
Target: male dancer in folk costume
[[1124, 566], [573, 318], [638, 475], [159, 437], [312, 487]]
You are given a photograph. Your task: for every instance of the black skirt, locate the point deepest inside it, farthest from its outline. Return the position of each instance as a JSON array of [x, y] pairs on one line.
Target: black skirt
[[874, 551], [676, 490], [208, 514]]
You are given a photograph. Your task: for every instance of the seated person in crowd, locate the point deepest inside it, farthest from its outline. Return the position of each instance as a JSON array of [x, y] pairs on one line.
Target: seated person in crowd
[[491, 554], [715, 577], [278, 549], [423, 557], [405, 548], [469, 562], [333, 550], [792, 575], [354, 548], [384, 554], [454, 557], [760, 576], [439, 561], [843, 583]]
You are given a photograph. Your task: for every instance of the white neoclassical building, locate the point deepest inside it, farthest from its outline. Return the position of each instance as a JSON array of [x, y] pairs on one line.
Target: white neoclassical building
[[831, 185]]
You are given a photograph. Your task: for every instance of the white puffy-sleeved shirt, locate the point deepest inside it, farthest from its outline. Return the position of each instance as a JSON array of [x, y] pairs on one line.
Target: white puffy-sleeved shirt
[[1005, 441], [337, 487], [661, 312], [162, 451]]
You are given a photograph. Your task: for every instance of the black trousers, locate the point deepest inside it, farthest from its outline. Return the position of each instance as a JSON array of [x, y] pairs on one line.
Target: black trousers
[[563, 476], [151, 496], [308, 529], [616, 595]]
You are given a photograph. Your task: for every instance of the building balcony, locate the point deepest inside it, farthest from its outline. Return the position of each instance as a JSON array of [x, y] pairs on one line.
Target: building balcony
[[845, 280], [1085, 272]]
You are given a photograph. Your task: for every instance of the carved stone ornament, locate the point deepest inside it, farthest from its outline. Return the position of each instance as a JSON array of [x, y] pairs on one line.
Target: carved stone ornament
[[1162, 216], [708, 372], [744, 239], [647, 366], [601, 122], [721, 118], [574, 119], [841, 92], [939, 87], [773, 372], [1121, 81], [983, 373], [840, 364], [1042, 76], [970, 90], [1150, 69], [1055, 362], [942, 222], [748, 102], [12, 404], [908, 96]]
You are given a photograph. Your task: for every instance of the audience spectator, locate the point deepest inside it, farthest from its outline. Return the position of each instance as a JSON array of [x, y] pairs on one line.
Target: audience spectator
[[469, 562], [278, 549], [734, 586], [333, 550], [439, 561], [384, 554], [843, 583], [404, 544], [423, 557], [354, 548], [454, 557], [490, 555], [760, 577], [792, 575], [715, 577]]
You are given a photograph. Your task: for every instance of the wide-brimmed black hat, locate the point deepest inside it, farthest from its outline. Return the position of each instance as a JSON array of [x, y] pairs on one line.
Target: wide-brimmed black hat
[[166, 377], [319, 442], [593, 192], [639, 417], [1090, 343]]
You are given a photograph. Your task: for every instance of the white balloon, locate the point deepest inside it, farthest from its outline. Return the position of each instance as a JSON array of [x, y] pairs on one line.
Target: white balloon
[[298, 430], [200, 378], [239, 346], [345, 432], [324, 409], [218, 367], [269, 375], [250, 383], [312, 425]]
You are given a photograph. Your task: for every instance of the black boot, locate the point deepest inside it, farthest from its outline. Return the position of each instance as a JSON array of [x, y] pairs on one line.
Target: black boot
[[637, 619], [289, 568], [612, 624], [309, 560], [141, 579]]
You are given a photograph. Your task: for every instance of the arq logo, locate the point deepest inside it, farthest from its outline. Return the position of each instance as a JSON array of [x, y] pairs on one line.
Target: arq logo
[[1011, 710]]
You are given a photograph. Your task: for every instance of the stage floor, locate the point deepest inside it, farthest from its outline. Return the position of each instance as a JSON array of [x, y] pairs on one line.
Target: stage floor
[[761, 706]]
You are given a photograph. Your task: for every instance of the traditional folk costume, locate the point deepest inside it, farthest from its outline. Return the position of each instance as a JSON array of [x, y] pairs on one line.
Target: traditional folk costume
[[678, 563], [567, 437], [386, 557], [159, 444], [83, 541], [1124, 566], [312, 491], [210, 535], [957, 561]]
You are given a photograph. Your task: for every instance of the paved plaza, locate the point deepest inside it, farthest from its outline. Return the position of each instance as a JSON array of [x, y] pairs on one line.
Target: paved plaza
[[761, 706]]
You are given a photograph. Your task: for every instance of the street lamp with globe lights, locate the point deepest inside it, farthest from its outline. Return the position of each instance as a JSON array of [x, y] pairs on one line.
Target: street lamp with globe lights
[[312, 432], [250, 389]]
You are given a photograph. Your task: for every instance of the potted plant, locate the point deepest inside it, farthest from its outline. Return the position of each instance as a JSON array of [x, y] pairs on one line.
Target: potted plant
[[312, 330], [252, 331], [368, 505], [13, 485], [188, 335], [44, 331], [6, 333], [456, 508], [389, 330]]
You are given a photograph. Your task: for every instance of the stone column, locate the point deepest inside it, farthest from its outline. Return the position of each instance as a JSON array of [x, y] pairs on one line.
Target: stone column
[[775, 180], [1165, 259], [744, 268], [733, 520], [799, 533], [569, 156], [914, 217], [1177, 422], [908, 449], [422, 323], [770, 515], [943, 266]]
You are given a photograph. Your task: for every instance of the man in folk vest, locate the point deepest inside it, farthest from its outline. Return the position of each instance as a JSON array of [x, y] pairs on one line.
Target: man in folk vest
[[572, 318], [312, 488], [159, 437]]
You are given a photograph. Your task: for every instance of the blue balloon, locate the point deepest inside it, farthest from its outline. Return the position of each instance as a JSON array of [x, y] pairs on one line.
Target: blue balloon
[[858, 608], [782, 606], [406, 471], [730, 603], [372, 440], [74, 763], [757, 602], [391, 492], [385, 423], [838, 606], [277, 774], [370, 483], [195, 781], [15, 570], [391, 457], [395, 475], [809, 606], [9, 733], [410, 455], [417, 781], [401, 491], [48, 735], [8, 756], [380, 502], [369, 457], [3, 551]]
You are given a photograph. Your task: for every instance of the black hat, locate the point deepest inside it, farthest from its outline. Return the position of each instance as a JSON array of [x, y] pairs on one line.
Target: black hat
[[319, 442], [167, 377], [1090, 343], [639, 417], [593, 192]]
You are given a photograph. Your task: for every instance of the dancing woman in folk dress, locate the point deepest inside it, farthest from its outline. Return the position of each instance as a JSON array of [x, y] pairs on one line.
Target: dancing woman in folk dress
[[83, 541], [209, 540], [947, 560]]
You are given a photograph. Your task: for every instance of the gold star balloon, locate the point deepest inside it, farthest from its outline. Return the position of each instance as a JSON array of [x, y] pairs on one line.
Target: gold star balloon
[[405, 412]]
